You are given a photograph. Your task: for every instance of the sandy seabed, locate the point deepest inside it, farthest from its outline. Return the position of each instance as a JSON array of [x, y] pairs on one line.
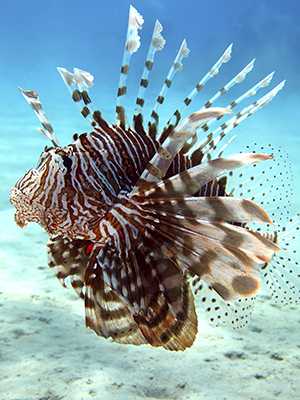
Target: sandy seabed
[[46, 353]]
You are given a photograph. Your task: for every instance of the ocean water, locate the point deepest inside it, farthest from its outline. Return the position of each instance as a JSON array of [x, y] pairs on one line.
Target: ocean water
[[45, 351]]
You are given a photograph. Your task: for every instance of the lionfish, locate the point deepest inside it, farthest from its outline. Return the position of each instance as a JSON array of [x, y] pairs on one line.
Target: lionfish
[[141, 219]]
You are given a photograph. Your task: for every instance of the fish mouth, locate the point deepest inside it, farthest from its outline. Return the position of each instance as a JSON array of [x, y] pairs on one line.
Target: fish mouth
[[21, 222]]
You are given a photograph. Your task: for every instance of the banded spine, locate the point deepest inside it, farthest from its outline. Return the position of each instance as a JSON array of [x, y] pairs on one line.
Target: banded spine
[[78, 83], [157, 44], [160, 162], [132, 44], [249, 93], [218, 134], [214, 70], [32, 98], [176, 66]]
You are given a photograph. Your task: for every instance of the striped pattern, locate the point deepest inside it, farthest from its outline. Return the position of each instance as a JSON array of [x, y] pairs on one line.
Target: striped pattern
[[157, 44], [215, 137], [134, 221], [240, 77], [214, 70], [78, 83], [249, 93], [132, 44], [161, 161], [32, 98], [175, 68]]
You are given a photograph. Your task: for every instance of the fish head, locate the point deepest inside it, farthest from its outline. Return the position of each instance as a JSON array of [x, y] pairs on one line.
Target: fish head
[[37, 196], [58, 196]]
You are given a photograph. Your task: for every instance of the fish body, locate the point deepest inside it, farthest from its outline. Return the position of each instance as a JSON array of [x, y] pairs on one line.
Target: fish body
[[137, 216]]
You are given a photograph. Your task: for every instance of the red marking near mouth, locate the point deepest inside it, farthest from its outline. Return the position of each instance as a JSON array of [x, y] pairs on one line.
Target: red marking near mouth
[[89, 248]]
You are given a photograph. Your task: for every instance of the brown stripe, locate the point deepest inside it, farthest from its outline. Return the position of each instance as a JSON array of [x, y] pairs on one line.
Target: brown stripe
[[140, 101], [165, 154], [154, 171], [76, 95], [118, 334], [47, 126], [149, 65], [199, 87], [178, 116], [245, 285], [144, 83], [61, 275], [205, 127], [122, 91], [221, 290], [124, 69], [85, 111], [109, 315], [89, 303], [155, 116], [89, 323], [85, 97], [159, 317], [121, 115], [36, 106], [160, 99], [97, 117]]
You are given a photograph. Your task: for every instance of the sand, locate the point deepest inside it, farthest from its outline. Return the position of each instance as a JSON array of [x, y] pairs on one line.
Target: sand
[[46, 353]]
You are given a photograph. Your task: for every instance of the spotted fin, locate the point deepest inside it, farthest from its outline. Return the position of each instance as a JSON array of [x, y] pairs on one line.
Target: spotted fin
[[229, 264], [219, 312], [281, 276]]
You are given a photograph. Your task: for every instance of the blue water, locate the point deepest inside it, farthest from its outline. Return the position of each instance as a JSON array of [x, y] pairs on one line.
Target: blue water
[[37, 36]]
